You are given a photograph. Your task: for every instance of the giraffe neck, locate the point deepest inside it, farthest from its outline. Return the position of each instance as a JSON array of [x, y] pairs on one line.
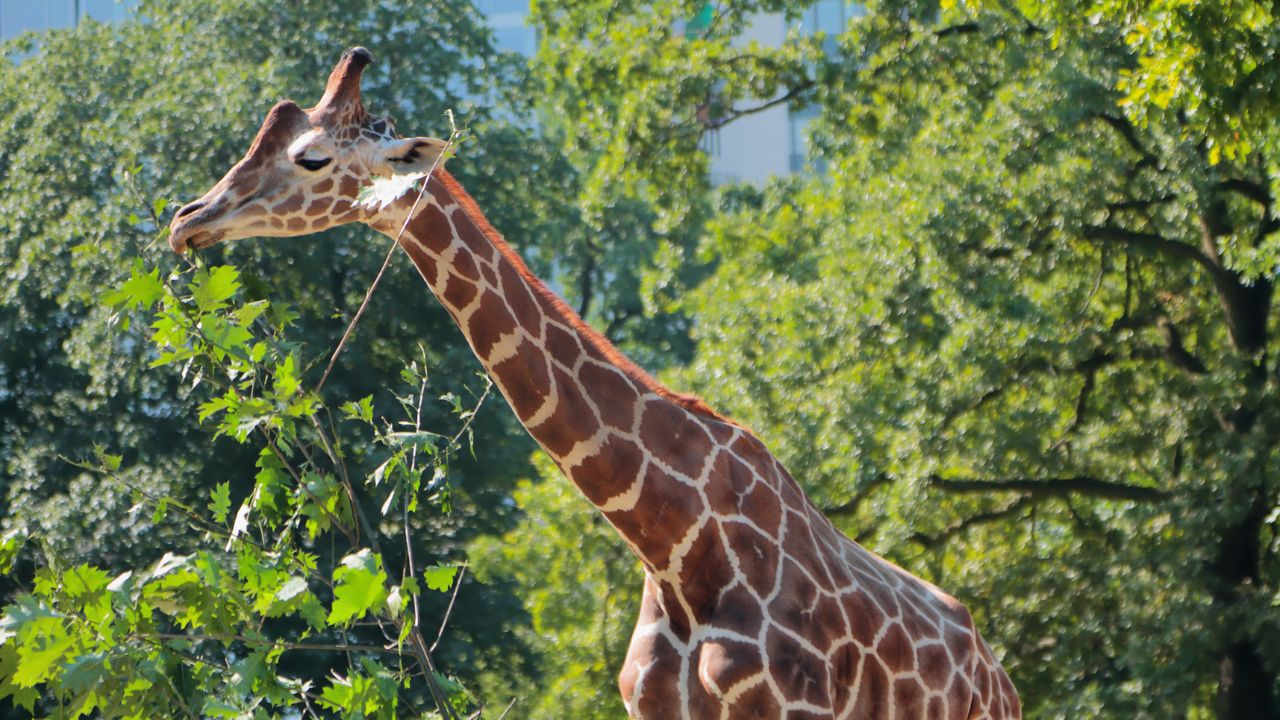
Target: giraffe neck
[[635, 449]]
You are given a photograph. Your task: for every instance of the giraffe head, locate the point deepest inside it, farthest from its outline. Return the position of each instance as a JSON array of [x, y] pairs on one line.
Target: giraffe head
[[305, 168]]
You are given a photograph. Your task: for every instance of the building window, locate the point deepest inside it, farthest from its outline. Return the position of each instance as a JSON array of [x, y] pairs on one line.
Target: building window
[[831, 18]]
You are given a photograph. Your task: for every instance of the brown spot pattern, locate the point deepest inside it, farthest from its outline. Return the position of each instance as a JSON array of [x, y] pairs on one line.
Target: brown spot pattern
[[683, 445], [574, 420], [610, 471], [525, 381]]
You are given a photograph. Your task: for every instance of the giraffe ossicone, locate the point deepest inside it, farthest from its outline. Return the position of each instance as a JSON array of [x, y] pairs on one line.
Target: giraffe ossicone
[[754, 604]]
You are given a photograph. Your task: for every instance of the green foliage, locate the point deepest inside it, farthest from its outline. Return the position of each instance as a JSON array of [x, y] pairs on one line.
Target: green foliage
[[207, 633], [360, 588], [104, 131]]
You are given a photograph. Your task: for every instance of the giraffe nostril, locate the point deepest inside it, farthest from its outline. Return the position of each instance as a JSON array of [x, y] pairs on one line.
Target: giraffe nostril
[[189, 208]]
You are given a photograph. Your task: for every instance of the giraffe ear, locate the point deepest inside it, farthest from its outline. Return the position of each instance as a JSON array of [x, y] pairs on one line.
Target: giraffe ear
[[411, 155]]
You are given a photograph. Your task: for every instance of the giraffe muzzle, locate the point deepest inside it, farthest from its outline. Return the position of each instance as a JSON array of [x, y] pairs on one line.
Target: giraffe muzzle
[[185, 236], [190, 227]]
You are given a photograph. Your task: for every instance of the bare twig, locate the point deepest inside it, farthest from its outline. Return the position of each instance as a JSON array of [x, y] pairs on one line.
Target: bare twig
[[509, 706], [386, 262], [263, 642], [457, 584]]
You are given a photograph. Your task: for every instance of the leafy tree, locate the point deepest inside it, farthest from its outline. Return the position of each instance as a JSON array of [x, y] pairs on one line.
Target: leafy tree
[[1014, 329], [99, 120], [268, 623]]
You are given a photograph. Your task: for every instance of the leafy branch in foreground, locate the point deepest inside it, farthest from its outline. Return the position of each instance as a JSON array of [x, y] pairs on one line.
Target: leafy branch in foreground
[[294, 602]]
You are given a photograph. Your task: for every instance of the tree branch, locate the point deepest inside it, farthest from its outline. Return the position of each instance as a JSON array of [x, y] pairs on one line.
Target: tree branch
[[1141, 204], [1009, 510], [1246, 306], [1130, 135], [1177, 354], [734, 114], [585, 285], [1051, 487], [850, 506], [961, 29], [1152, 242], [1249, 189]]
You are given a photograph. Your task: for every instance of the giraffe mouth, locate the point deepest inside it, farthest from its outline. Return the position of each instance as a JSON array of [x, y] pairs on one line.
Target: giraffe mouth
[[182, 239], [204, 238]]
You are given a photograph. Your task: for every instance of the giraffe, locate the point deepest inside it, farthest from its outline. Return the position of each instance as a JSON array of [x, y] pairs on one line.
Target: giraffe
[[754, 604]]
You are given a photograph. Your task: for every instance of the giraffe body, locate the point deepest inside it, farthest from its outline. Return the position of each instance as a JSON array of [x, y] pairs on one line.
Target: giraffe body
[[754, 605]]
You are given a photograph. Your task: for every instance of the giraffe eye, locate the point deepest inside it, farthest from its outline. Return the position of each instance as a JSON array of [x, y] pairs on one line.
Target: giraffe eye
[[313, 165]]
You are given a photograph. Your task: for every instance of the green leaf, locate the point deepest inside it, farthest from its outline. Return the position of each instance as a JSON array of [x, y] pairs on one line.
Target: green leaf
[[162, 510], [440, 577], [26, 610], [360, 588], [84, 580], [221, 504], [21, 697], [84, 672], [10, 544], [211, 289], [142, 289], [40, 658], [361, 410], [286, 382]]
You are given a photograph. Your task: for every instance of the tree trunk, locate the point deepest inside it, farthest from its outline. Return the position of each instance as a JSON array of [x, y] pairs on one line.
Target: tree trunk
[[1244, 684], [1244, 687]]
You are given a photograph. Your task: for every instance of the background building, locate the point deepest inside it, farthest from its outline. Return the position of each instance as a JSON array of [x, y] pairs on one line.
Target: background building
[[774, 141], [19, 16]]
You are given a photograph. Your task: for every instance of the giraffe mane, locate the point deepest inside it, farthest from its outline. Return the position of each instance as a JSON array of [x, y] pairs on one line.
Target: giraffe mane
[[690, 402]]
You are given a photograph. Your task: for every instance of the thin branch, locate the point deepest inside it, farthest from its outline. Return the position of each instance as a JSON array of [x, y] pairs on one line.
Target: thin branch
[[448, 611], [1009, 510], [1130, 135], [735, 114], [509, 706], [996, 391], [252, 641], [1051, 487], [851, 506]]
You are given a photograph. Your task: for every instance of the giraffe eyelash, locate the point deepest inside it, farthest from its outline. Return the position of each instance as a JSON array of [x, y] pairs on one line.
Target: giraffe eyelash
[[313, 165]]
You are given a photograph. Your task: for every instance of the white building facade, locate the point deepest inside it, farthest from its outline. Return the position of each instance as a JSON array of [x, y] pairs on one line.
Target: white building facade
[[774, 141]]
